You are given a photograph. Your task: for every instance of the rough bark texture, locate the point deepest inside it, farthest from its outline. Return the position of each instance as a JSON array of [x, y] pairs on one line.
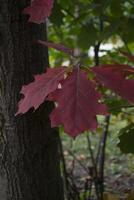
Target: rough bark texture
[[30, 147]]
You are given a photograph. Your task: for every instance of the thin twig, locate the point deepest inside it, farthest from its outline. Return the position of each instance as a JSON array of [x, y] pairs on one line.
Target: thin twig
[[97, 62], [95, 173], [80, 163], [131, 114], [96, 52], [91, 152], [102, 155], [122, 106], [65, 175]]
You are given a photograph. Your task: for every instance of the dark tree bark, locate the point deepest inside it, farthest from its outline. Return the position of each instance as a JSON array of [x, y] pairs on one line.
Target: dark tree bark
[[30, 147]]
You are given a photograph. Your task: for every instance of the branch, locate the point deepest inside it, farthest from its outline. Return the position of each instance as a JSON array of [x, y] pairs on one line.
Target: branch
[[95, 173], [101, 156], [65, 175]]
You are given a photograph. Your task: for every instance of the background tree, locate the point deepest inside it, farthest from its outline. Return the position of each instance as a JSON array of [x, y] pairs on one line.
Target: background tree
[[30, 154]]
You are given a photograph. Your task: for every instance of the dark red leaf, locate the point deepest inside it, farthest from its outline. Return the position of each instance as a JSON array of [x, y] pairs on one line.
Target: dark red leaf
[[114, 77], [39, 10], [58, 47], [36, 92], [77, 104]]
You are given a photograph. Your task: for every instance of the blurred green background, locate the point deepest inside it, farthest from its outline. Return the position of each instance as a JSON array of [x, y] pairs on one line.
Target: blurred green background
[[86, 25]]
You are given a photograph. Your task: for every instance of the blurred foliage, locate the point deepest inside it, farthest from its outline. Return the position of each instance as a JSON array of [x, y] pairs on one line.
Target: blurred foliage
[[114, 159], [83, 24], [126, 137]]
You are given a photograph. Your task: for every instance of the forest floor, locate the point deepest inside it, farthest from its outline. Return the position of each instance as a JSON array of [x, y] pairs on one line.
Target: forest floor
[[119, 168], [121, 184]]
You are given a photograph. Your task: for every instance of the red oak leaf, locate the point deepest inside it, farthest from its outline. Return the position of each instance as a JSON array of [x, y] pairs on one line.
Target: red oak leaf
[[39, 10], [77, 104], [114, 77], [36, 92], [58, 47]]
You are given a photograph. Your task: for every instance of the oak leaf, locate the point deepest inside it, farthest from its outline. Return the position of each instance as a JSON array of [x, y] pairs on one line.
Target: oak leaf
[[36, 92], [116, 78], [39, 10], [77, 104]]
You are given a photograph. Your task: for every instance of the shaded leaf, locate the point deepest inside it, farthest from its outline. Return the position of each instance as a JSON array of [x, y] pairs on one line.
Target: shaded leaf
[[39, 10], [87, 36], [57, 15], [114, 77], [115, 104], [36, 92], [129, 34], [126, 138], [77, 104], [116, 8]]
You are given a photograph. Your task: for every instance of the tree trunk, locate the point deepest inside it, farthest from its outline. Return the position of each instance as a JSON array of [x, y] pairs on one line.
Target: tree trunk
[[30, 147]]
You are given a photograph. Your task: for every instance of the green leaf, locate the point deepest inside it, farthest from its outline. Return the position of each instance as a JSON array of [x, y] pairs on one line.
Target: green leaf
[[57, 15], [127, 24], [109, 31], [126, 138], [115, 104], [116, 8], [87, 36]]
